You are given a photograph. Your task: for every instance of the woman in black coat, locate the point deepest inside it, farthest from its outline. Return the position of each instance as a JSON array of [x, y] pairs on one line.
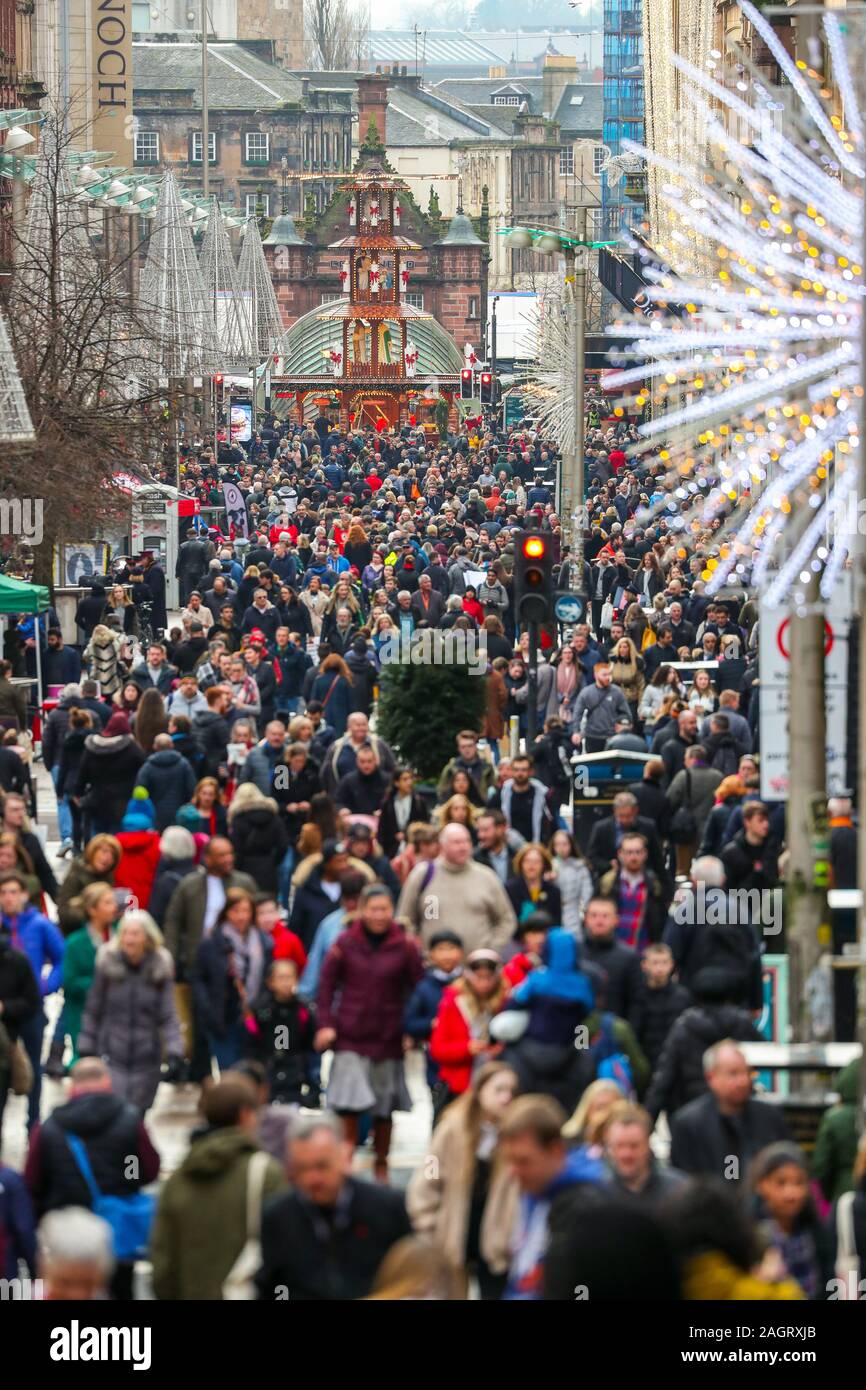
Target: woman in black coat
[[78, 730], [529, 890], [259, 836], [107, 774], [400, 809], [293, 614]]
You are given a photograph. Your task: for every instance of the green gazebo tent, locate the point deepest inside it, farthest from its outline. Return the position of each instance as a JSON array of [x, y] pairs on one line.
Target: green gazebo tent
[[18, 597]]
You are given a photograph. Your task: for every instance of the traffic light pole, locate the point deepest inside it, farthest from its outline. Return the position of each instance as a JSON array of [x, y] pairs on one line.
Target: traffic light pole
[[532, 687]]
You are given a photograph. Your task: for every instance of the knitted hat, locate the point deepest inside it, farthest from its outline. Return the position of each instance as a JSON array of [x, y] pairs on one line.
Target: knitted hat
[[189, 818], [139, 814], [117, 724]]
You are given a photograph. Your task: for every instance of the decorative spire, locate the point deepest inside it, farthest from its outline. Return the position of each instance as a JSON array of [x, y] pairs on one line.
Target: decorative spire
[[257, 287], [220, 280], [16, 427], [173, 293], [460, 194]]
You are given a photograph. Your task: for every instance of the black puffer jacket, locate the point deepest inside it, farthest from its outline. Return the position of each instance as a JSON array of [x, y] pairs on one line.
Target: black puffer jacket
[[660, 1010], [260, 839], [107, 774], [679, 1076]]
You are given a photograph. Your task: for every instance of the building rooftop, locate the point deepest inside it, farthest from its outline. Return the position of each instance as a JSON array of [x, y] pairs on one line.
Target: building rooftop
[[580, 109], [236, 78], [479, 49]]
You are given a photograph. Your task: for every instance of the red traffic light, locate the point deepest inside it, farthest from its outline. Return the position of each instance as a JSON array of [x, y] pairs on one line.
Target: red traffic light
[[218, 379], [486, 378], [534, 547], [466, 374]]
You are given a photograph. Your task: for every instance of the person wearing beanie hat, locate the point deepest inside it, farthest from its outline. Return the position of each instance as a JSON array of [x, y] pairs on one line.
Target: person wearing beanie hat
[[107, 774], [139, 842]]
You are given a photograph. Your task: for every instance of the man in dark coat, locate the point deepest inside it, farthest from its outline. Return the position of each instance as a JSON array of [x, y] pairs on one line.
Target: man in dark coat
[[623, 985], [327, 1237], [719, 1134], [608, 834], [169, 779], [153, 581], [90, 611], [192, 562]]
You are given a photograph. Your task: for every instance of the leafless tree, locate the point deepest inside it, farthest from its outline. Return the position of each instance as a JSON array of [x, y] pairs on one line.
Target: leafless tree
[[82, 348], [337, 34]]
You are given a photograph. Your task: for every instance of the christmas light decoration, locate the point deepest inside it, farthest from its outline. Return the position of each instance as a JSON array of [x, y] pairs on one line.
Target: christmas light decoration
[[756, 369]]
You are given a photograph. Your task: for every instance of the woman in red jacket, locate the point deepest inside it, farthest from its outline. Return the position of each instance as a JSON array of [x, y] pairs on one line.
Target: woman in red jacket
[[367, 978], [460, 1040]]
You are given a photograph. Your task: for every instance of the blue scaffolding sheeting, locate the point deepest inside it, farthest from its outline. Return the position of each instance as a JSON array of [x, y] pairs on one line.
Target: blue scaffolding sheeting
[[623, 97]]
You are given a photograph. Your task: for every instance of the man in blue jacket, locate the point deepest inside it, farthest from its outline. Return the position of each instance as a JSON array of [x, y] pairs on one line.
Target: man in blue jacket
[[43, 945]]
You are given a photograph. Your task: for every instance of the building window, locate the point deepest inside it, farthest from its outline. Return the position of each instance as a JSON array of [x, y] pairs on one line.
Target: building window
[[195, 155], [306, 147], [599, 154], [257, 202], [331, 298], [507, 100], [326, 147], [257, 147], [566, 159], [473, 306], [146, 147], [414, 298]]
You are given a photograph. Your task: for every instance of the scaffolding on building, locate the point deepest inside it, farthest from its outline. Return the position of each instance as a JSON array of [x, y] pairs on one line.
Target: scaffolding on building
[[623, 106]]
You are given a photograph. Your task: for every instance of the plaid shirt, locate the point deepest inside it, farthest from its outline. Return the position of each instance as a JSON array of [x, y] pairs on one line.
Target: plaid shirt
[[632, 930]]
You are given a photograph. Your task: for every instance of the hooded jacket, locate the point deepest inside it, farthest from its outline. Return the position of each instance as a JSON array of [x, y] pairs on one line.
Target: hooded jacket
[[260, 839], [679, 1075], [111, 1131], [200, 1226], [138, 863], [170, 782], [211, 733], [557, 994], [107, 774]]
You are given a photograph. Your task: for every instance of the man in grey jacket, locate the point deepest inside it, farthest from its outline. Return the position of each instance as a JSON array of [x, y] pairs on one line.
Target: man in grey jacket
[[597, 711]]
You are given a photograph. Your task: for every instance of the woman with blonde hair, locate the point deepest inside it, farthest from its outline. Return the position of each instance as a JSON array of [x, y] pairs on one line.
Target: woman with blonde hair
[[627, 671], [457, 810], [130, 1019], [702, 696], [119, 601], [466, 1200], [416, 1270], [600, 1103]]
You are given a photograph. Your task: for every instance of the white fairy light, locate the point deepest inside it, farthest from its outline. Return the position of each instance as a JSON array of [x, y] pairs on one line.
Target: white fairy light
[[755, 369]]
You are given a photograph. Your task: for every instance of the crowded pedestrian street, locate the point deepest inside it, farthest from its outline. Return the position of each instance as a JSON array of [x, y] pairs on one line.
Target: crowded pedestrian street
[[432, 699]]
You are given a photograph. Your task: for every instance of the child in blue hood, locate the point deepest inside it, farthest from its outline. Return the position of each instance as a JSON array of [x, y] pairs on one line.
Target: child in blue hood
[[558, 996]]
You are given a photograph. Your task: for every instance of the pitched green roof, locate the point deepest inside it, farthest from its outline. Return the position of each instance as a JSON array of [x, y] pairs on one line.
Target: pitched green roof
[[303, 344]]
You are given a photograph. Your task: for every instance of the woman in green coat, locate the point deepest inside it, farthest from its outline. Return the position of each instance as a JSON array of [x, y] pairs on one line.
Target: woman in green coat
[[98, 908]]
